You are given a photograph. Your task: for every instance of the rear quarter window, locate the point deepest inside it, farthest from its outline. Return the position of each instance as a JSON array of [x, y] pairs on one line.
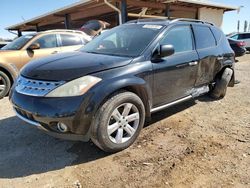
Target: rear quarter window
[[204, 37], [235, 37], [217, 34]]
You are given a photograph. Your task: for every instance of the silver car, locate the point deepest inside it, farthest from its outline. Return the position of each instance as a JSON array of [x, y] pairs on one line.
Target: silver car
[[243, 36]]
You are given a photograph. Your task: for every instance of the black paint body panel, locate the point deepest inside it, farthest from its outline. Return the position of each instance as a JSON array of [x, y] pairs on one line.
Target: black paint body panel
[[156, 83]]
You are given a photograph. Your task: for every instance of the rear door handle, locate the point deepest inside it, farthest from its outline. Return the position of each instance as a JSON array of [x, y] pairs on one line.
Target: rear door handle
[[193, 63], [220, 58]]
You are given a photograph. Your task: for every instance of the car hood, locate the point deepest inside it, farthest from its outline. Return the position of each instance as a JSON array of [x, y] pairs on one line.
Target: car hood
[[69, 66]]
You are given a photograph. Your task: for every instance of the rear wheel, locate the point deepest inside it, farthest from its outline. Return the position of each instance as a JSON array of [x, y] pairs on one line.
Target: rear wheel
[[118, 122], [5, 84], [220, 89]]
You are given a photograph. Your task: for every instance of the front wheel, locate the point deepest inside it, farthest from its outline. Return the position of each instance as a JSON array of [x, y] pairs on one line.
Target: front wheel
[[118, 122], [5, 84]]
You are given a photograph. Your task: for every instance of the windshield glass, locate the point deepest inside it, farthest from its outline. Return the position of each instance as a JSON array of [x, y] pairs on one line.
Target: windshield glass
[[126, 40], [18, 43]]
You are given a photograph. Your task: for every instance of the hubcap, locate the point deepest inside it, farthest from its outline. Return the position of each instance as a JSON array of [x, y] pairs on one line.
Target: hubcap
[[123, 123], [2, 85]]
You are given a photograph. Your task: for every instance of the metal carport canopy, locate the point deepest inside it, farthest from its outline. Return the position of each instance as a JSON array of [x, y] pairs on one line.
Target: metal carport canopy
[[73, 16]]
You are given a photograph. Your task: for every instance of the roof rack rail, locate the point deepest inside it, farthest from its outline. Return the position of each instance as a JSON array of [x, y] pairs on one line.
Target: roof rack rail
[[63, 30], [191, 20]]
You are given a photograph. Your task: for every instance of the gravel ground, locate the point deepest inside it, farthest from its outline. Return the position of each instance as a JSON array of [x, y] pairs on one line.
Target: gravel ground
[[201, 143]]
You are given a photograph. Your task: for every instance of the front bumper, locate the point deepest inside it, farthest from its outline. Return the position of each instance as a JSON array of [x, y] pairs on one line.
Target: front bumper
[[66, 136], [44, 113]]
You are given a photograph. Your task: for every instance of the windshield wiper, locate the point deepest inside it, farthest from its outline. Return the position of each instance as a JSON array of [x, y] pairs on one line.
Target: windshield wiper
[[92, 52]]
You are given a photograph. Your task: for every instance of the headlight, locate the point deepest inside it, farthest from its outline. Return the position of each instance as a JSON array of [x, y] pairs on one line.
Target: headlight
[[75, 87]]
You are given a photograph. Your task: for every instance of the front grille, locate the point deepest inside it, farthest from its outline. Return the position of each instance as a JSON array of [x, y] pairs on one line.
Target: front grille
[[25, 114], [35, 87]]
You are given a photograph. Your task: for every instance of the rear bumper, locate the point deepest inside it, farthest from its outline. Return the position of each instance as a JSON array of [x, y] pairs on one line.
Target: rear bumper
[[240, 53]]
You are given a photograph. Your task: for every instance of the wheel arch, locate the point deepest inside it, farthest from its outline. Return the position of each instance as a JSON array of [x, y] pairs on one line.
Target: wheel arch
[[8, 73], [219, 74], [135, 85], [139, 91]]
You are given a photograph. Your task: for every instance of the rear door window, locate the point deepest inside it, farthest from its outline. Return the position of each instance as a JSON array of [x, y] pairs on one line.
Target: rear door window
[[204, 38], [245, 36], [70, 40], [180, 37]]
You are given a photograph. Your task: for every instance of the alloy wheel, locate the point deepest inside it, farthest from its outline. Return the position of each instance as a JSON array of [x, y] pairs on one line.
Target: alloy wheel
[[3, 84], [123, 123]]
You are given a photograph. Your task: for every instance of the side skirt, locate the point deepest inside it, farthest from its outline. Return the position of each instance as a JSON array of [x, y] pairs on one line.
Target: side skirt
[[196, 92], [153, 110]]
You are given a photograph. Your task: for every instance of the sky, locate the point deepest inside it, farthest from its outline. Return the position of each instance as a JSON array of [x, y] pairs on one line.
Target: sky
[[16, 11]]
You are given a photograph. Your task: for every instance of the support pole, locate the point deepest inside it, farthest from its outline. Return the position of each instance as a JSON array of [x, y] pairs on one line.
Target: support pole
[[19, 33], [124, 11], [37, 28], [67, 21], [167, 11]]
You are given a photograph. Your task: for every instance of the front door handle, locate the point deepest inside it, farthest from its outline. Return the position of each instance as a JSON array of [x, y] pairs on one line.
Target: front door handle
[[193, 63], [182, 65], [55, 52]]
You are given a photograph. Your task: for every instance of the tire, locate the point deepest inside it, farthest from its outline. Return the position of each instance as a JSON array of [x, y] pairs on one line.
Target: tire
[[5, 84], [112, 120], [221, 84]]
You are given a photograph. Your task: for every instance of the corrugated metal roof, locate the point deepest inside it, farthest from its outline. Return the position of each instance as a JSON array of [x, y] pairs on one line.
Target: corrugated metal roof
[[57, 16], [208, 4]]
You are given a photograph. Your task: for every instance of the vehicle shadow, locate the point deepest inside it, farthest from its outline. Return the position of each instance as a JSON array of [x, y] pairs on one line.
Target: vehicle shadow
[[206, 98], [25, 150], [158, 116]]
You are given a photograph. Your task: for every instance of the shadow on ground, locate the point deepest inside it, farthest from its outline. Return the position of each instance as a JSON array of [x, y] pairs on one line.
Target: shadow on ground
[[25, 151]]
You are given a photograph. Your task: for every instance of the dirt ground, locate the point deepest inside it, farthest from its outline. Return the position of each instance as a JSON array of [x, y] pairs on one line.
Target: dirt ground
[[201, 143]]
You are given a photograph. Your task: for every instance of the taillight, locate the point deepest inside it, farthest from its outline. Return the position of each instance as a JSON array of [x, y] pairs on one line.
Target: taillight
[[242, 43]]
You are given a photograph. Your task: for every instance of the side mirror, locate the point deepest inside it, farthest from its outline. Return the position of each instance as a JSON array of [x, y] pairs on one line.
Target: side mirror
[[166, 50], [161, 52], [34, 46]]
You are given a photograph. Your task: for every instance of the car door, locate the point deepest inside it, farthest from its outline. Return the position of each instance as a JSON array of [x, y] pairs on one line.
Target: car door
[[70, 42], [175, 75], [48, 45], [210, 55]]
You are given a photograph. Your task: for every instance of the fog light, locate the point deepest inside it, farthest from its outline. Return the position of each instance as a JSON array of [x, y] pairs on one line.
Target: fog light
[[62, 127]]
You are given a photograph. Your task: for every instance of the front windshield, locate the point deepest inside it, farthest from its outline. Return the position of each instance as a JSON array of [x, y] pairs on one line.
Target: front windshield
[[126, 40], [18, 43]]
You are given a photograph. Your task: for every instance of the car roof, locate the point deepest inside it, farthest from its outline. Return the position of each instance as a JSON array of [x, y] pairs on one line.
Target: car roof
[[66, 31], [62, 31], [151, 21], [166, 21], [242, 33]]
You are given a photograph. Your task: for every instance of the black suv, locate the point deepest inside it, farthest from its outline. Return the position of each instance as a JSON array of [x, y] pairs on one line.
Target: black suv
[[107, 89]]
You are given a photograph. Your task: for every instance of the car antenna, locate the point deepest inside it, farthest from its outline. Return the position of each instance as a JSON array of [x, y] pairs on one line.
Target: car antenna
[[143, 12]]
